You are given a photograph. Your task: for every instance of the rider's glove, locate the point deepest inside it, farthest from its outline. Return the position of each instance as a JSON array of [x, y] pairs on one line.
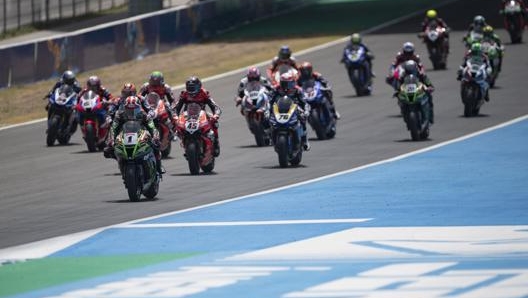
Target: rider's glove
[[151, 115], [429, 89], [216, 117]]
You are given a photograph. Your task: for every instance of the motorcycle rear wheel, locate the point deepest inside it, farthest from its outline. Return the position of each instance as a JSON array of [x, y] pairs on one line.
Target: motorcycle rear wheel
[[316, 124]]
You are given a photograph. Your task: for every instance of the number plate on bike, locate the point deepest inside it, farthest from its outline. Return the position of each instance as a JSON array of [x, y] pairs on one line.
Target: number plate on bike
[[131, 138]]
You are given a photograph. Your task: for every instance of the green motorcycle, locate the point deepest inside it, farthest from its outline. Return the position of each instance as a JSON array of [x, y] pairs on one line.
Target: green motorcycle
[[137, 161], [415, 106]]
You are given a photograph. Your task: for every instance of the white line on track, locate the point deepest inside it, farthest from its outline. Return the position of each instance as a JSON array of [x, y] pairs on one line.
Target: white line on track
[[243, 223]]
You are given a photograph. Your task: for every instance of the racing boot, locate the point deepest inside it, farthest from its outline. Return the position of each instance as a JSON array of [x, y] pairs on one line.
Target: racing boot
[[216, 148], [305, 143], [486, 97], [159, 168]]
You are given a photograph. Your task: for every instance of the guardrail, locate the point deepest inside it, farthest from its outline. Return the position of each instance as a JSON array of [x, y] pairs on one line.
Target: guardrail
[[129, 39]]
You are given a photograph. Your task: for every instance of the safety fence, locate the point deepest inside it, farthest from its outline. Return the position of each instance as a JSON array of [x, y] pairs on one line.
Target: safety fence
[[18, 13], [132, 38]]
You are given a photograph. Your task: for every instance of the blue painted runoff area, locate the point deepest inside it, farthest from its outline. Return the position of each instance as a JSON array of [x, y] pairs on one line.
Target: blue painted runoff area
[[442, 196]]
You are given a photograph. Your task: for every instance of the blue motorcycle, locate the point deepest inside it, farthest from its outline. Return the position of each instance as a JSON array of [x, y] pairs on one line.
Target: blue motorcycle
[[358, 69], [286, 131], [62, 122], [320, 118]]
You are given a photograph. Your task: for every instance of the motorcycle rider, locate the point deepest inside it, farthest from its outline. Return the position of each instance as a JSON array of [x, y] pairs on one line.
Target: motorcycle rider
[[524, 10], [431, 17], [132, 111], [407, 53], [194, 92], [288, 87], [478, 24], [476, 54], [489, 34], [354, 43], [94, 84], [284, 57], [306, 73], [253, 75], [157, 84], [67, 78], [411, 67]]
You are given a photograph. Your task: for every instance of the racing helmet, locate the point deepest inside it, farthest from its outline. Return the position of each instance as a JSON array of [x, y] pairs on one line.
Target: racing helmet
[[93, 83], [193, 85], [128, 89], [355, 39], [132, 108], [156, 78], [306, 70], [410, 67], [287, 82], [408, 48], [479, 21], [431, 14], [284, 53], [487, 30], [68, 77], [253, 74], [476, 48]]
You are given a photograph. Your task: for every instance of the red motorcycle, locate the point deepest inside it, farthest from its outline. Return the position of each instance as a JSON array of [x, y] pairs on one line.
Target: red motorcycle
[[195, 131], [437, 45], [90, 109], [514, 20], [162, 121]]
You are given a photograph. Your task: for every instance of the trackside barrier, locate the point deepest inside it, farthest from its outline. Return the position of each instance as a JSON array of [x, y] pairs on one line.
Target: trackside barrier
[[132, 38]]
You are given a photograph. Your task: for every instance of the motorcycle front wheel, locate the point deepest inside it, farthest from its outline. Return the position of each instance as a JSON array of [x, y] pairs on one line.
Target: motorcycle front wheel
[[52, 130], [133, 184], [282, 150], [90, 137], [192, 153]]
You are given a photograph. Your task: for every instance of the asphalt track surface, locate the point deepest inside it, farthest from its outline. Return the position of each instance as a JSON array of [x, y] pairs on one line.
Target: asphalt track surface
[[47, 192]]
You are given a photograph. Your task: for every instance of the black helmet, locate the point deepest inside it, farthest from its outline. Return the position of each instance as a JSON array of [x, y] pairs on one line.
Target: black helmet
[[284, 53], [193, 85], [93, 83], [410, 67], [156, 78], [68, 77], [306, 70]]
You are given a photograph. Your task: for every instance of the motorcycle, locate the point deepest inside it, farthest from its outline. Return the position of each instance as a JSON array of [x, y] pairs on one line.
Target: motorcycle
[[137, 161], [283, 68], [286, 131], [255, 108], [62, 122], [321, 118], [160, 116], [415, 106], [492, 50], [197, 138], [474, 75], [94, 133], [514, 21], [435, 39], [358, 69]]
